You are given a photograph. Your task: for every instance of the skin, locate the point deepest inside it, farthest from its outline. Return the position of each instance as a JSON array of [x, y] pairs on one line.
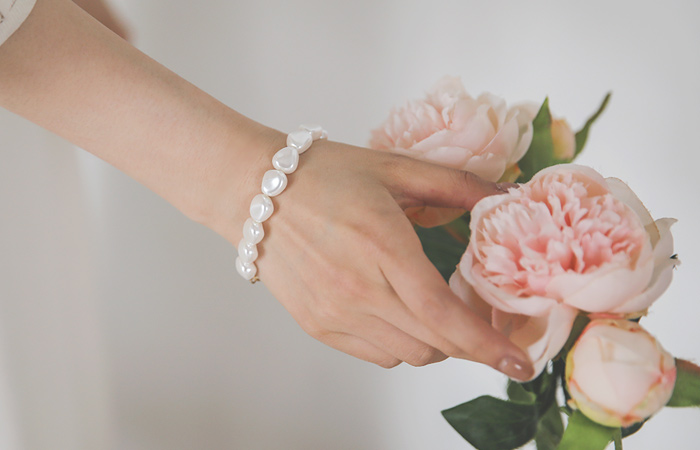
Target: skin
[[339, 252], [104, 14]]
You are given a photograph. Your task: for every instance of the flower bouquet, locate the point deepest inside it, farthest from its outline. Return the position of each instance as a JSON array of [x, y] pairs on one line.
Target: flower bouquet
[[565, 265]]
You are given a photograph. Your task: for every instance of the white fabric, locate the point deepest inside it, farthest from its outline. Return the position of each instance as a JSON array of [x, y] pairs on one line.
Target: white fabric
[[12, 15]]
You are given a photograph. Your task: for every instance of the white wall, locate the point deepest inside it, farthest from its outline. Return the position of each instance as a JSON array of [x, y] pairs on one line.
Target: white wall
[[205, 360], [200, 359]]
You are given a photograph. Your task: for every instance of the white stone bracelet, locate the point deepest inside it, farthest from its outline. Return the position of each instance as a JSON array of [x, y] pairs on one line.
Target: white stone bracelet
[[274, 182]]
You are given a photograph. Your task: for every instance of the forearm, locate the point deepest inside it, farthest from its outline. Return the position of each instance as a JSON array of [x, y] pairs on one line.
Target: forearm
[[67, 73]]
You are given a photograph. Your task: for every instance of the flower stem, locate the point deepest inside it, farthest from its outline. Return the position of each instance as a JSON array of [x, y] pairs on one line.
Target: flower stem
[[618, 439]]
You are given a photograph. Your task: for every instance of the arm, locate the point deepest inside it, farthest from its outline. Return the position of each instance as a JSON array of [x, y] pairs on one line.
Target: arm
[[340, 254], [104, 14], [64, 71]]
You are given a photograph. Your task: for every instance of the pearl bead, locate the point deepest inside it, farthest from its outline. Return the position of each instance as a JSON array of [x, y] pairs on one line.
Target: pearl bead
[[261, 208], [273, 182], [317, 131], [286, 160], [247, 252], [253, 231], [247, 271], [300, 140]]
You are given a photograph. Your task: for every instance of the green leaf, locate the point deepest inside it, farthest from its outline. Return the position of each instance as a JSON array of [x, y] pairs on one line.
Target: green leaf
[[577, 328], [489, 423], [550, 429], [518, 393], [583, 434], [687, 390], [541, 390], [582, 134], [442, 249], [540, 154]]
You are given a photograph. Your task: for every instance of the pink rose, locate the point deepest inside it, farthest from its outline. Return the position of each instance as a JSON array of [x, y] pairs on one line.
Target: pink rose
[[568, 240], [452, 129], [617, 374]]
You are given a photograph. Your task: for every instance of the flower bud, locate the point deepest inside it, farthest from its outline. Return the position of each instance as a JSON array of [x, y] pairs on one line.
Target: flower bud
[[617, 374], [563, 139]]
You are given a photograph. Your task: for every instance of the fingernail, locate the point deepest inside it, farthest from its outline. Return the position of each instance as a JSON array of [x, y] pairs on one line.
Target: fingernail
[[516, 368], [504, 187]]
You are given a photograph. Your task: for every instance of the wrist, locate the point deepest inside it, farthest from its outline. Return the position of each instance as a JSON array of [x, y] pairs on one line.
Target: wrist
[[227, 189]]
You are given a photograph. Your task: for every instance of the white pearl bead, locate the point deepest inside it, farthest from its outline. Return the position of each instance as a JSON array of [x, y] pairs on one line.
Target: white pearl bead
[[247, 252], [253, 231], [317, 131], [247, 271], [273, 182], [261, 208], [286, 160], [300, 140]]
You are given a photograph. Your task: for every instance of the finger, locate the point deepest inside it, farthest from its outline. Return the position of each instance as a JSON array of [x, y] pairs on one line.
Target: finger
[[431, 216], [403, 319], [397, 343], [361, 349], [418, 183], [425, 293]]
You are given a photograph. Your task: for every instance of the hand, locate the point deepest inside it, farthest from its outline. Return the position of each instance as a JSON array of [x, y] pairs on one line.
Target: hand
[[339, 254], [101, 11], [342, 257]]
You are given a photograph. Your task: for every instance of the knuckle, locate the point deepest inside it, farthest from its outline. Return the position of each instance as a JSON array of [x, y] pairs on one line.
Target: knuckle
[[388, 362], [423, 355], [396, 171], [315, 330], [474, 184], [394, 165], [466, 179]]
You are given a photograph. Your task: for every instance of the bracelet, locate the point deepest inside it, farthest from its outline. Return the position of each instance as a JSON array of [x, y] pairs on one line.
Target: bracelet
[[274, 182]]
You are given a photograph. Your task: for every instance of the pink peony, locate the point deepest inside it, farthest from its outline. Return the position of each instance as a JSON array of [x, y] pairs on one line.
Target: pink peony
[[617, 374], [452, 129], [541, 337], [568, 240]]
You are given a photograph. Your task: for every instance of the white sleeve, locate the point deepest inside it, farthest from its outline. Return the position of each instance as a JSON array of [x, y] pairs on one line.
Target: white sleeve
[[12, 14]]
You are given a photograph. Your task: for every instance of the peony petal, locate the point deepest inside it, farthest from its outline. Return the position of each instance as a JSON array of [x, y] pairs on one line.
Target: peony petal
[[498, 298], [622, 192], [664, 247], [542, 337], [662, 276], [446, 156], [465, 291], [603, 289], [452, 129], [490, 167], [446, 92], [594, 182], [524, 114]]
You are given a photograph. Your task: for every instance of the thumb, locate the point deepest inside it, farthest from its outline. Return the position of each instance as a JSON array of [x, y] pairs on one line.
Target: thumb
[[429, 185]]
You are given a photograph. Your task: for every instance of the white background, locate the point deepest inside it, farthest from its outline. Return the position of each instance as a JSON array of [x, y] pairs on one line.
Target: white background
[[193, 357]]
